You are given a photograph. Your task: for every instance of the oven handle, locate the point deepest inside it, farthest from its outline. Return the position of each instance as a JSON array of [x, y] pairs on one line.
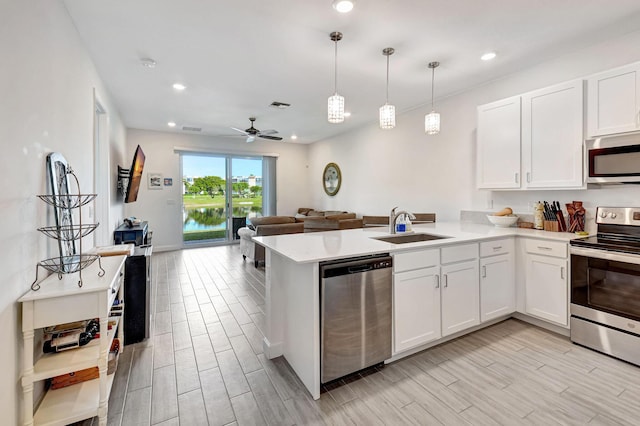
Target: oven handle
[[606, 255]]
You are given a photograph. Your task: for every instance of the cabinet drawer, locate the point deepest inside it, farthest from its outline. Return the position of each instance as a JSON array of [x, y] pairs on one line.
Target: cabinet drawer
[[459, 253], [492, 248], [415, 259], [546, 248]]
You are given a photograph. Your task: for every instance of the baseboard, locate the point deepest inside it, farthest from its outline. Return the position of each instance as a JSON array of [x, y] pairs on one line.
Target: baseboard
[[542, 324], [271, 350]]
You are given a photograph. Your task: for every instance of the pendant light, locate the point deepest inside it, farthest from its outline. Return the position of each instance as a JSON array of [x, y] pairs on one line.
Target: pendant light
[[387, 111], [432, 120], [335, 111]]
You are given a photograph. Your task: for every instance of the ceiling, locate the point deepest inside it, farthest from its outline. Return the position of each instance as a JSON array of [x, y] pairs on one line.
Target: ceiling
[[237, 56]]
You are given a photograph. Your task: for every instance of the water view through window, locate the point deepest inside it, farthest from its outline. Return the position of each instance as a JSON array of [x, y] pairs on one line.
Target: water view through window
[[219, 194]]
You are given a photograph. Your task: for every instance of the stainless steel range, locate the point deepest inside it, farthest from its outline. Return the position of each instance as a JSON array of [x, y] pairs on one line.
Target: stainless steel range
[[605, 285]]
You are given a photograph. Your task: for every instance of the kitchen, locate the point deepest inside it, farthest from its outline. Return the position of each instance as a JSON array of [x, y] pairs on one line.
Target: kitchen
[[368, 157]]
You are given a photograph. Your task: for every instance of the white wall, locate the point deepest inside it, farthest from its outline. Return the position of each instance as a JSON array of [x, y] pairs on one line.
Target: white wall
[[421, 173], [163, 208], [46, 104]]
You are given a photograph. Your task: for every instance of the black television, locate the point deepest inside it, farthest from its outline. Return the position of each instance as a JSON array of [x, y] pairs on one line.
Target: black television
[[135, 176]]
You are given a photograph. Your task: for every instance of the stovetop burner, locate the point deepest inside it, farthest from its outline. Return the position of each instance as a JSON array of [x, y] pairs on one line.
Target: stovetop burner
[[618, 230]]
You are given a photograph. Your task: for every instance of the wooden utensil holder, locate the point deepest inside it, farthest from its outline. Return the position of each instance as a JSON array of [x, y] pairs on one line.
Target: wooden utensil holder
[[551, 225]]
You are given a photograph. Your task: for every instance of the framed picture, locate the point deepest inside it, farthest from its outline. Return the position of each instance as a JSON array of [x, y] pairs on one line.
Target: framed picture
[[168, 181], [154, 180]]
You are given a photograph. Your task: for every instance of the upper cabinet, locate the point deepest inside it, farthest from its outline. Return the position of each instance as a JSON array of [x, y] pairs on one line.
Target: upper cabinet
[[499, 144], [552, 137], [614, 101], [532, 141]]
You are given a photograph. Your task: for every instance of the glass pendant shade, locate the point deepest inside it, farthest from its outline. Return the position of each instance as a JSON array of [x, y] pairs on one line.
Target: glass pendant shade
[[335, 103], [387, 116], [335, 109], [387, 111], [432, 123], [432, 120]]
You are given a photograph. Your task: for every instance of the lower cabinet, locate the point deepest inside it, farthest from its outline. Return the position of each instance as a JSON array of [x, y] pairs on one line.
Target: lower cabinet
[[546, 288], [460, 304], [497, 279], [546, 280], [416, 297], [497, 295]]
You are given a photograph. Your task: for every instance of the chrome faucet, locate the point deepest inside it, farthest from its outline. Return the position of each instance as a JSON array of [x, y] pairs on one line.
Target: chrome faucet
[[393, 218]]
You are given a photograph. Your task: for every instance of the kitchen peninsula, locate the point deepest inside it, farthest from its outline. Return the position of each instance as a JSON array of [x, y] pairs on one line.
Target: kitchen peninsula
[[293, 284]]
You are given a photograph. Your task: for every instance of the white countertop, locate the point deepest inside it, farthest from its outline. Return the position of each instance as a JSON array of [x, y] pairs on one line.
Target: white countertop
[[329, 245]]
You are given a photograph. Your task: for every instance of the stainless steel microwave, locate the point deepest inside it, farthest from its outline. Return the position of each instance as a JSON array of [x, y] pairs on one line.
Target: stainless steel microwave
[[613, 159]]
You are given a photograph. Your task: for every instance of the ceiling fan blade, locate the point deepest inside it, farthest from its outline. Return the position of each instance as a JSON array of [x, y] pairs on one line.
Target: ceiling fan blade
[[251, 138], [273, 138], [240, 130], [268, 132]]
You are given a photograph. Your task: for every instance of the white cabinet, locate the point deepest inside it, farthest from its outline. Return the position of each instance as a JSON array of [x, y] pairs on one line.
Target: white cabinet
[[498, 144], [552, 136], [546, 281], [61, 301], [613, 101], [497, 279], [532, 141], [431, 301], [416, 312], [460, 293], [460, 288]]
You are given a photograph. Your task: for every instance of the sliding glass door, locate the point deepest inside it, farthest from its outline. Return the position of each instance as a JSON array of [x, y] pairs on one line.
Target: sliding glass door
[[219, 193]]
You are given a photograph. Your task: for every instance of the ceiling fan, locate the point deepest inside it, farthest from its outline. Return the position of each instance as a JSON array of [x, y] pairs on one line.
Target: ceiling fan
[[251, 133]]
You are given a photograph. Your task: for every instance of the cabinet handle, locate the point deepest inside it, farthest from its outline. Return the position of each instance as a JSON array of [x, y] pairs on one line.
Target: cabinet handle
[[528, 177], [446, 281], [562, 272], [437, 277], [484, 272], [497, 247], [516, 177], [544, 248]]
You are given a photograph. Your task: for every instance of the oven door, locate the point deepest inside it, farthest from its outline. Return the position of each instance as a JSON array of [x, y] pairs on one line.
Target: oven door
[[605, 281]]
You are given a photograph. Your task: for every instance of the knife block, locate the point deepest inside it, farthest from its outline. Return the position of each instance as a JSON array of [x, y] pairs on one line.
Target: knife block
[[551, 225]]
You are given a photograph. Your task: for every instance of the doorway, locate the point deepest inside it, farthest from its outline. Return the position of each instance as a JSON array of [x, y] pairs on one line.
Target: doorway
[[219, 193]]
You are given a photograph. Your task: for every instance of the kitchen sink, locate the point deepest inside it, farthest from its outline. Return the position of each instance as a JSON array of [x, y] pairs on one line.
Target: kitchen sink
[[409, 238]]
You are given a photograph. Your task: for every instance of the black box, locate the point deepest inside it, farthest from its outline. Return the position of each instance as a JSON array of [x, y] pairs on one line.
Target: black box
[[137, 234]]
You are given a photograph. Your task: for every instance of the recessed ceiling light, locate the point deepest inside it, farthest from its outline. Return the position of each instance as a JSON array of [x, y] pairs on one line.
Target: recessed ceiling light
[[343, 6], [148, 62], [294, 137], [488, 56], [347, 114], [171, 124], [179, 86]]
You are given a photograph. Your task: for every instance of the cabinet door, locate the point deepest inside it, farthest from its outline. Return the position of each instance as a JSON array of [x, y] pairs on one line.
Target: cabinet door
[[552, 137], [416, 307], [498, 147], [613, 101], [546, 288], [497, 287], [460, 294]]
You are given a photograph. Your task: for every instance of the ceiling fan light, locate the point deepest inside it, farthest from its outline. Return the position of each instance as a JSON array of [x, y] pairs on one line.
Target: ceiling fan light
[[343, 6], [432, 123], [387, 116], [335, 109]]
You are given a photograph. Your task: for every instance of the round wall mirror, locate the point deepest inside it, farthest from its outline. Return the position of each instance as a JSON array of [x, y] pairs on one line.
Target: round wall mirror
[[331, 179]]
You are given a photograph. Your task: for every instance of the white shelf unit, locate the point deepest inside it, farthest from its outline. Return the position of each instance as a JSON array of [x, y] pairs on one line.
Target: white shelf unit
[[61, 301]]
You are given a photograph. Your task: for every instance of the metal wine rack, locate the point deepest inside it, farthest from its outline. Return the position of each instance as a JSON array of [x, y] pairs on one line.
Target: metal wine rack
[[65, 231]]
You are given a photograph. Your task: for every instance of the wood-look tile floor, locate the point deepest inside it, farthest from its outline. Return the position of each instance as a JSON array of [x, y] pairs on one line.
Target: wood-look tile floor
[[204, 366]]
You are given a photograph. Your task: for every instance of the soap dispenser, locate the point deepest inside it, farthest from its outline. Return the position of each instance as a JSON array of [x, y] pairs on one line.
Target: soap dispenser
[[401, 224], [407, 223]]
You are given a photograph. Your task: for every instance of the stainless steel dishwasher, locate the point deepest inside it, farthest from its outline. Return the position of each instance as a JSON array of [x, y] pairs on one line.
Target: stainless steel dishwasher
[[355, 315]]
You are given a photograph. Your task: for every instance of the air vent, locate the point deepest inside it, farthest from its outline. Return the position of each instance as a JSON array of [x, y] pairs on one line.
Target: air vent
[[191, 129], [281, 105]]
